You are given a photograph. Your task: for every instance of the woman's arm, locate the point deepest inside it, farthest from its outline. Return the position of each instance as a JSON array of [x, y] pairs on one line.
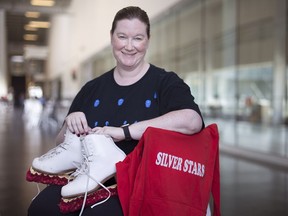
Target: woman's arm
[[185, 121]]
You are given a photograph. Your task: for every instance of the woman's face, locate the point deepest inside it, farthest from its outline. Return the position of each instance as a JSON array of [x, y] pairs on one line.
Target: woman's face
[[129, 43]]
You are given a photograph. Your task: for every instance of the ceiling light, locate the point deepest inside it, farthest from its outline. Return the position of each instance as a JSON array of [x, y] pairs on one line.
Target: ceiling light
[[47, 3], [17, 59], [30, 37], [29, 28], [39, 24], [31, 14]]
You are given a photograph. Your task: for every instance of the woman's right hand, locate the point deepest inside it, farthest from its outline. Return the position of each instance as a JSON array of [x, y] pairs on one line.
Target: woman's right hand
[[77, 123]]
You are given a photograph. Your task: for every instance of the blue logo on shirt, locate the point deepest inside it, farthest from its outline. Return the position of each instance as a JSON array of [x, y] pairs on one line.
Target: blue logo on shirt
[[120, 101], [147, 103], [96, 103], [155, 95]]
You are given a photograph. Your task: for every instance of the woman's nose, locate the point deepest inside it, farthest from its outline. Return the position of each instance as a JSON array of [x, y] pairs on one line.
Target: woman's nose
[[129, 45]]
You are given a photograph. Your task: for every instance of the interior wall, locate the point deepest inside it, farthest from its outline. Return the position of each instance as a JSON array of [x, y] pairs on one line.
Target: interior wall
[[86, 33]]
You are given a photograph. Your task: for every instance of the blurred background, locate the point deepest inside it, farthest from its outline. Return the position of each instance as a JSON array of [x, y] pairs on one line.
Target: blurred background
[[232, 54]]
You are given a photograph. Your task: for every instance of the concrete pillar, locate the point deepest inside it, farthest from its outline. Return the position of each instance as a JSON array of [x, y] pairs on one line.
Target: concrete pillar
[[3, 57], [280, 56], [60, 65], [229, 23]]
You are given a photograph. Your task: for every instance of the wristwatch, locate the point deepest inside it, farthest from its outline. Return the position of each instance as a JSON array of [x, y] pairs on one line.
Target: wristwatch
[[126, 132]]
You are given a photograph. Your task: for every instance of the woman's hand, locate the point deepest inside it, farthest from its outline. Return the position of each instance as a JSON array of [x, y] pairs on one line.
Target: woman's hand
[[116, 133], [77, 123]]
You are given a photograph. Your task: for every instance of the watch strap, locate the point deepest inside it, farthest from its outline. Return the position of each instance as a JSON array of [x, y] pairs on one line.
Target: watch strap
[[127, 132]]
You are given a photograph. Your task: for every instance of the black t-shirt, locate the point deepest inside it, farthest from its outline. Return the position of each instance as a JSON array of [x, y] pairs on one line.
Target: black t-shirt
[[105, 103]]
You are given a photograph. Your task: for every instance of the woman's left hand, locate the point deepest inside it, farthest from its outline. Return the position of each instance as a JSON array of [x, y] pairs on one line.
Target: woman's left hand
[[116, 133]]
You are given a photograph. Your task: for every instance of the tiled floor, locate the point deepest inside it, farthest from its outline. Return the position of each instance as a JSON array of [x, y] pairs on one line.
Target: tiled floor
[[247, 188]]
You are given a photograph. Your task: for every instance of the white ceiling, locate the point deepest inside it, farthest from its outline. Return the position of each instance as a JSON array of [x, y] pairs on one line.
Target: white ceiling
[[15, 20]]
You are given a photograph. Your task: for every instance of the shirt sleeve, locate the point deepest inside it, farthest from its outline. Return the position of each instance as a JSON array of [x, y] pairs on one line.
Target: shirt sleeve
[[175, 94]]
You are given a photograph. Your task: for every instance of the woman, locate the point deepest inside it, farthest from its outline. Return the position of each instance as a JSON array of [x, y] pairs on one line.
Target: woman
[[135, 93]]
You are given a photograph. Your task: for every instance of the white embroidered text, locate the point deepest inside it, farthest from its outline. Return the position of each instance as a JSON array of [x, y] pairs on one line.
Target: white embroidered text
[[178, 163]]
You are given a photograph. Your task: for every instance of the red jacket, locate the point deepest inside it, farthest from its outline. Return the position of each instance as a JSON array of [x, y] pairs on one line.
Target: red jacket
[[171, 174]]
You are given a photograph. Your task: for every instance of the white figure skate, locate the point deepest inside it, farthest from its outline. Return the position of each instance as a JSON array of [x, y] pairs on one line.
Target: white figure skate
[[100, 156], [56, 165]]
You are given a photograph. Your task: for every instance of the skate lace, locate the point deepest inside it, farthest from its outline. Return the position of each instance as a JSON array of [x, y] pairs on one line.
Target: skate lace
[[84, 169], [38, 191], [58, 149]]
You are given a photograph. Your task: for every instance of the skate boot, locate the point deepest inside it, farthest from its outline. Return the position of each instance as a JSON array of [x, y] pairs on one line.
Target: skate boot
[[100, 155], [56, 166]]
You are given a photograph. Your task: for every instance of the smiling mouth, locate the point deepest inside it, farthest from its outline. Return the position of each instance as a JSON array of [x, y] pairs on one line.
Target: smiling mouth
[[129, 54]]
